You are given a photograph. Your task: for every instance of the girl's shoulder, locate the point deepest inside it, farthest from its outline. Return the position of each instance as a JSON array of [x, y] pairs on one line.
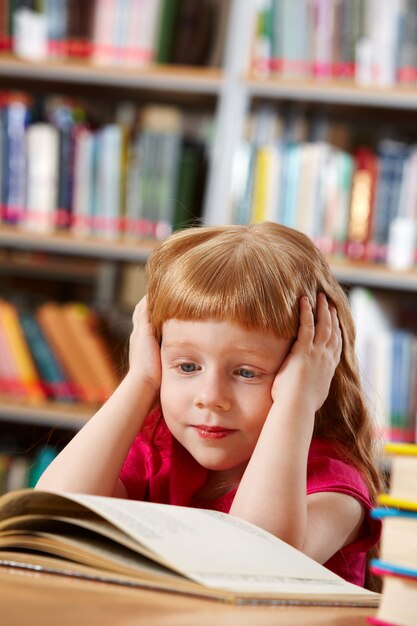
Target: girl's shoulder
[[329, 469]]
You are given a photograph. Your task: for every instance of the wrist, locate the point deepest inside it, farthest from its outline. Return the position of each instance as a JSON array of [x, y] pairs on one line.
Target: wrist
[[144, 388], [294, 417]]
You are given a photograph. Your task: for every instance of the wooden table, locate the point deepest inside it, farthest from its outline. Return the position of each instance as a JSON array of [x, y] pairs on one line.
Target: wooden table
[[31, 599]]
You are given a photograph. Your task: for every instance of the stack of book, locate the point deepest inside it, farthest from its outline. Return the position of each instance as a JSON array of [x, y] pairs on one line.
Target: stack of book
[[56, 352], [398, 559]]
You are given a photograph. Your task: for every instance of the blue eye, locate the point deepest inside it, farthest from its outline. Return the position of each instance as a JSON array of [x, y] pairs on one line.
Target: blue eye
[[246, 373], [188, 367]]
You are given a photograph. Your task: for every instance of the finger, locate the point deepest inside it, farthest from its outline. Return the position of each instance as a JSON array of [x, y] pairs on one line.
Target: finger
[[324, 320], [141, 311], [306, 330], [336, 341]]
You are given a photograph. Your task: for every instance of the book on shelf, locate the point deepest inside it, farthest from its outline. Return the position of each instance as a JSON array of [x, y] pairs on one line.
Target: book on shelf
[[191, 175], [5, 36], [153, 172], [55, 382], [83, 196], [390, 185], [28, 377], [67, 117], [168, 22], [387, 359], [369, 42], [14, 119], [407, 50], [355, 200], [361, 203], [84, 323], [10, 382], [14, 471], [106, 221], [193, 32], [61, 327], [42, 145], [43, 457], [117, 179], [123, 33], [166, 548]]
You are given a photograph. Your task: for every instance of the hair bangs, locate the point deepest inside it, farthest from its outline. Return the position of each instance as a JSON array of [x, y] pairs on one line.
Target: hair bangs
[[242, 280]]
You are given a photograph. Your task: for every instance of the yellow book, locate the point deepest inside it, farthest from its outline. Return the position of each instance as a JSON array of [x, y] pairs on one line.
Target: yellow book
[[409, 449], [262, 182], [403, 471], [19, 349]]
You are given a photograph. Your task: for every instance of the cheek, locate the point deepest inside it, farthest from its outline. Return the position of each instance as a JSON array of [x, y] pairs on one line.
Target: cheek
[[171, 393], [257, 410]]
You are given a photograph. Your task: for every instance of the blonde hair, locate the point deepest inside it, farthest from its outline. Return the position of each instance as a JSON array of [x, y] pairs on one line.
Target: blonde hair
[[255, 276]]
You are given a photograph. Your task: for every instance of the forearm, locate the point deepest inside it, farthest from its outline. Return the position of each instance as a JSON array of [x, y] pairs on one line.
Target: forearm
[[92, 461], [272, 492]]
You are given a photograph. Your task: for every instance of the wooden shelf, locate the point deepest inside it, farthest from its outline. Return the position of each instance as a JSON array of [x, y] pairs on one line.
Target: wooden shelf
[[204, 80], [346, 271], [336, 92], [12, 237], [373, 275], [55, 414]]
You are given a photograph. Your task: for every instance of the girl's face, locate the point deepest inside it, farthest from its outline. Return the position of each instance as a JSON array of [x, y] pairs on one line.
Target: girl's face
[[216, 388]]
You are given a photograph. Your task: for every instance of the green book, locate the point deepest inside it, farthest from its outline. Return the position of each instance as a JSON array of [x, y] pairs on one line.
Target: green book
[[187, 205], [167, 23]]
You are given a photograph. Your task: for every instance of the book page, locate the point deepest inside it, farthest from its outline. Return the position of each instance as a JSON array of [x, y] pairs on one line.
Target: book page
[[216, 549]]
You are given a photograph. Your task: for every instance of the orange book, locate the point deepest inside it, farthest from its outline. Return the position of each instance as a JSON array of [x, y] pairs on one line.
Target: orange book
[[66, 346], [28, 377], [83, 322], [10, 383], [362, 203]]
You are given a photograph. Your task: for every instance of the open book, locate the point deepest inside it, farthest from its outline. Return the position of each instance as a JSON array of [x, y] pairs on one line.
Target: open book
[[163, 547]]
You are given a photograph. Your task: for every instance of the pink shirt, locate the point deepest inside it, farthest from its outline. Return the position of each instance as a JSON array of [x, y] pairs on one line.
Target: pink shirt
[[159, 469]]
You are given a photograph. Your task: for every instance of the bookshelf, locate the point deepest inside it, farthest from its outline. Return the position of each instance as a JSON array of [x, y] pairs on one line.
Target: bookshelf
[[204, 80], [333, 92], [231, 90]]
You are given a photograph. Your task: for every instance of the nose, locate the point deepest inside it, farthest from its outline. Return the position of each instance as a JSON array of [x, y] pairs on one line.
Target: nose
[[213, 393]]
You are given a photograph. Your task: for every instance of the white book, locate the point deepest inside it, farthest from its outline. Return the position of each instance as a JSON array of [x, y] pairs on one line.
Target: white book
[[103, 29], [142, 32], [42, 177], [166, 548], [108, 181], [83, 182]]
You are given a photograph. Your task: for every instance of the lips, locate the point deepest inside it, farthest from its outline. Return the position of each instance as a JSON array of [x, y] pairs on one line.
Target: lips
[[212, 432]]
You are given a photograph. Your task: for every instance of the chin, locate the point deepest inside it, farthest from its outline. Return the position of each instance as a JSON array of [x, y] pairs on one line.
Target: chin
[[217, 464]]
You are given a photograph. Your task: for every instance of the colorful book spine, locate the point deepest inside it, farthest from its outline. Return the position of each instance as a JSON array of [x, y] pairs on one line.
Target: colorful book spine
[[27, 372], [54, 380]]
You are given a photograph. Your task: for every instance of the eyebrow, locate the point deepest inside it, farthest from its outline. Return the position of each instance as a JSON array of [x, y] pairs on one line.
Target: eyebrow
[[242, 349]]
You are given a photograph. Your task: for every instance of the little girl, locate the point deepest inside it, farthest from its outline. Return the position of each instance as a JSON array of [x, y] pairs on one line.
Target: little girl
[[242, 395]]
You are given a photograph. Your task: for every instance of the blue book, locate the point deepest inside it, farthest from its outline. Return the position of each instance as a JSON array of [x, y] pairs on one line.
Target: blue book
[[391, 512], [381, 567], [53, 378], [402, 423], [16, 115], [398, 550]]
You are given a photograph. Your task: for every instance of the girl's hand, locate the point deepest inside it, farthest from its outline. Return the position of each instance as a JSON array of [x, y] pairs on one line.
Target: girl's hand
[[144, 352], [309, 368]]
